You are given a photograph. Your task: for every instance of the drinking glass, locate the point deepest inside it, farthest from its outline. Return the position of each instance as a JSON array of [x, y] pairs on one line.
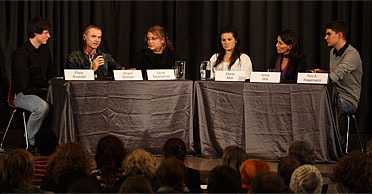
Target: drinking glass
[[179, 69]]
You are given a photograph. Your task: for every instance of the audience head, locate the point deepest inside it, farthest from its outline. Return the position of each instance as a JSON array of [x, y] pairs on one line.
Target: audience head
[[251, 168], [92, 36], [224, 179], [46, 142], [2, 161], [70, 157], [19, 169], [338, 28], [306, 179], [228, 41], [84, 184], [172, 173], [157, 39], [355, 172], [287, 43], [110, 153], [136, 184], [303, 151], [267, 182], [140, 162], [369, 147], [234, 157], [286, 166], [175, 147], [38, 25]]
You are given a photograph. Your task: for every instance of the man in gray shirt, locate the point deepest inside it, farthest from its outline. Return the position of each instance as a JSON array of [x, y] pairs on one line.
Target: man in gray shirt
[[345, 66]]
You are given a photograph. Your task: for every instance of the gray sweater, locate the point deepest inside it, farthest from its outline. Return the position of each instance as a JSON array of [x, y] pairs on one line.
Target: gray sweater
[[346, 72]]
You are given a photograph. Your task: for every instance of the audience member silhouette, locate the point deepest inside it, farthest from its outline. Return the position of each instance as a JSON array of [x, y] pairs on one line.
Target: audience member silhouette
[[46, 144], [306, 179], [303, 151], [84, 184], [267, 182], [70, 162], [286, 166], [141, 162], [19, 171], [172, 174], [136, 184], [110, 154], [353, 174], [249, 170], [234, 157], [175, 147], [224, 179]]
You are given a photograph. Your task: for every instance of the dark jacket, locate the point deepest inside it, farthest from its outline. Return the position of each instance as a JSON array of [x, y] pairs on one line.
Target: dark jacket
[[147, 59], [79, 60], [193, 180], [296, 65]]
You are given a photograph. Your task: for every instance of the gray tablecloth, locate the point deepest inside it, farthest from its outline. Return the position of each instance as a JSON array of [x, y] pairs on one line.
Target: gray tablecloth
[[141, 113], [265, 118]]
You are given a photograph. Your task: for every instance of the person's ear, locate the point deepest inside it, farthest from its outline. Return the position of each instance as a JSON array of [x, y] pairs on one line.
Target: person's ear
[[84, 37]]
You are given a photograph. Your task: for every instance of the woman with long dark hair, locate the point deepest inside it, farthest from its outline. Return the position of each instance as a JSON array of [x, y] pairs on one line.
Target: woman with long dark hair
[[289, 59], [229, 56], [110, 153]]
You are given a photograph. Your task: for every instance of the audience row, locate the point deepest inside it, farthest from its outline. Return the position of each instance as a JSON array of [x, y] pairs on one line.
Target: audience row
[[71, 168]]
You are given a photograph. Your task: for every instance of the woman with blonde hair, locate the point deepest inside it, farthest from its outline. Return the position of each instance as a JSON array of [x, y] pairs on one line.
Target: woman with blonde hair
[[141, 162], [71, 162], [159, 53]]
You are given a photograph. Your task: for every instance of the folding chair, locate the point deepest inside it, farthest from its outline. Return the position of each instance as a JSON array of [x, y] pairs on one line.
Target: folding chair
[[11, 104]]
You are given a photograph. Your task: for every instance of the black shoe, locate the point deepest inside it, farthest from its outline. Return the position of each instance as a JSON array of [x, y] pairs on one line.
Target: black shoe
[[32, 150]]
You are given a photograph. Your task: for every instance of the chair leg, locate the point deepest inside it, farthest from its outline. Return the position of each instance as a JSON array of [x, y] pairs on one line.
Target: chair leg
[[357, 129], [347, 135], [6, 131], [24, 124]]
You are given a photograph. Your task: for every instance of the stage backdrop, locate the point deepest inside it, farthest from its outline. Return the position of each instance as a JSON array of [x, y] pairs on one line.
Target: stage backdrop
[[193, 27]]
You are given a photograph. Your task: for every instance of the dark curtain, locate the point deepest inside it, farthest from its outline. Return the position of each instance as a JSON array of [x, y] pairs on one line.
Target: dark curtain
[[193, 27]]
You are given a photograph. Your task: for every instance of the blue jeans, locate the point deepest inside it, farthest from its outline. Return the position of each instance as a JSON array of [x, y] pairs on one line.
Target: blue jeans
[[347, 106], [39, 110]]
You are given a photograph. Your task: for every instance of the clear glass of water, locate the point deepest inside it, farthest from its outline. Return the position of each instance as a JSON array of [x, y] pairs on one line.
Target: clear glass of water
[[179, 69]]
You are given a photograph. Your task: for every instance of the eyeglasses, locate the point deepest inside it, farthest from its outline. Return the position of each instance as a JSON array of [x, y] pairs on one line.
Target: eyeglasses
[[152, 38]]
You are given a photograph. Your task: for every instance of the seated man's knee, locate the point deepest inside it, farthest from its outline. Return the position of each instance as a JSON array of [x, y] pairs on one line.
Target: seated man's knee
[[43, 110]]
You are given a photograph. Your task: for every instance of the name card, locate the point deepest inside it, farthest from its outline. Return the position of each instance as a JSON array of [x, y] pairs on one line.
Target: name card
[[160, 74], [79, 74], [230, 76], [312, 78], [128, 75], [265, 77]]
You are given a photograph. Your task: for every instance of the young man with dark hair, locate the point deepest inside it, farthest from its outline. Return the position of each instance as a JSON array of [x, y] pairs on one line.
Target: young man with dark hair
[[345, 66], [90, 57], [31, 70]]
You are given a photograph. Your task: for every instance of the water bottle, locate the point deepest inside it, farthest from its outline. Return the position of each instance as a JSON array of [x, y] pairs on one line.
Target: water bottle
[[203, 69]]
